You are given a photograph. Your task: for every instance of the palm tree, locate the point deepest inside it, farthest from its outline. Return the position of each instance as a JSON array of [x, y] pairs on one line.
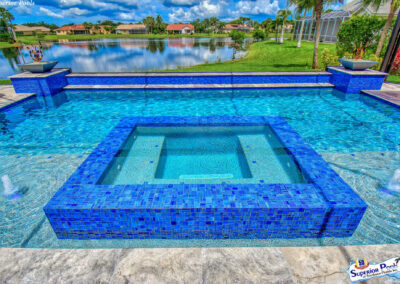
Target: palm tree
[[318, 7], [149, 22], [394, 5], [159, 23], [284, 16], [302, 6], [7, 17]]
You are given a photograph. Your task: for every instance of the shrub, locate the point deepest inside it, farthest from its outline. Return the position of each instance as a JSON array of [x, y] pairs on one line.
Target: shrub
[[328, 58], [237, 37], [373, 57], [259, 35], [358, 34]]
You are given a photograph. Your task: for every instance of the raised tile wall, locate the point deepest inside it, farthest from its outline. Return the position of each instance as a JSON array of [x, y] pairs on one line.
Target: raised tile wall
[[354, 83], [41, 86]]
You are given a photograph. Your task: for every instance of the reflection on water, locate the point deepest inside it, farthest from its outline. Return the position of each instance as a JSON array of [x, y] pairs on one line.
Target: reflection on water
[[119, 55]]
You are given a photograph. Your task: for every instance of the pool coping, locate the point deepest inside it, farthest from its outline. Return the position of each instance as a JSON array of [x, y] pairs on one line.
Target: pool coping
[[199, 86], [380, 96], [327, 191], [188, 74]]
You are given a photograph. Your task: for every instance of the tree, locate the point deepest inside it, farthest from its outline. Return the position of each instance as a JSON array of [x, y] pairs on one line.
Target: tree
[[302, 6], [283, 15], [318, 6], [88, 26], [238, 39], [258, 35], [159, 24], [7, 17], [213, 23], [394, 5], [357, 34], [149, 22]]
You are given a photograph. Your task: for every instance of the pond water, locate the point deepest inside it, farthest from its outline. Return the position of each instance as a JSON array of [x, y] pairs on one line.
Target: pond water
[[121, 55]]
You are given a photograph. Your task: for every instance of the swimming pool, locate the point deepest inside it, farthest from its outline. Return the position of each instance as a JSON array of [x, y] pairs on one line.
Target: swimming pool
[[43, 141]]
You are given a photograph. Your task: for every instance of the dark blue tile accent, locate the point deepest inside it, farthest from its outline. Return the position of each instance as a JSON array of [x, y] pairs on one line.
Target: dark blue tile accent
[[196, 80], [109, 80], [280, 79], [325, 206]]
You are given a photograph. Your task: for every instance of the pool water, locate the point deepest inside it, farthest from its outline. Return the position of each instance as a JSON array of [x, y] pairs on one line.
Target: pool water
[[173, 155], [43, 141]]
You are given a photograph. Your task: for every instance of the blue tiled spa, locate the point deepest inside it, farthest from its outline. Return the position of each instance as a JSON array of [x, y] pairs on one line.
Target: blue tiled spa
[[202, 177], [310, 201]]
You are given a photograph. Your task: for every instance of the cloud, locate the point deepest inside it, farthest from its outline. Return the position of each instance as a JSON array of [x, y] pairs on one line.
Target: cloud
[[257, 7], [182, 3], [129, 16], [204, 9], [72, 12], [50, 13]]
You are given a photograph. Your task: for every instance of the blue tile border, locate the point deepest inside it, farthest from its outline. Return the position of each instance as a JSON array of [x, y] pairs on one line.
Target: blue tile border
[[325, 206]]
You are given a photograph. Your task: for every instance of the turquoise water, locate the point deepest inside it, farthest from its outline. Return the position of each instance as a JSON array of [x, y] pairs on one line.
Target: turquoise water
[[173, 155], [42, 142]]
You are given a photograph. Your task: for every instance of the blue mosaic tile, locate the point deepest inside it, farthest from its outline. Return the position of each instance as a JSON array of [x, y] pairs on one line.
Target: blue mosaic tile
[[41, 86], [325, 206], [354, 84]]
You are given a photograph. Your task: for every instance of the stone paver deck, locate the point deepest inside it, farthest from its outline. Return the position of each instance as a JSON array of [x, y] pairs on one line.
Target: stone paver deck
[[8, 95], [188, 265]]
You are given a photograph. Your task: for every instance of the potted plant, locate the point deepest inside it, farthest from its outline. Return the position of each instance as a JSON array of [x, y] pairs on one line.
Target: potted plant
[[37, 66], [355, 36]]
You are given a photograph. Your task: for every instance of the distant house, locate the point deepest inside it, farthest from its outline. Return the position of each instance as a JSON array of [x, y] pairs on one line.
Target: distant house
[[231, 27], [25, 30], [73, 30], [330, 22], [180, 29], [131, 29]]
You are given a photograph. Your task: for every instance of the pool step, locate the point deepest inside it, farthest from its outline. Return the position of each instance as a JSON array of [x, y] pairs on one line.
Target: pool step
[[198, 86], [263, 161], [141, 161]]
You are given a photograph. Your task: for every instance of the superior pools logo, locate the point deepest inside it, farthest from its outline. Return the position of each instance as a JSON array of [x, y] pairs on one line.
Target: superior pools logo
[[361, 270]]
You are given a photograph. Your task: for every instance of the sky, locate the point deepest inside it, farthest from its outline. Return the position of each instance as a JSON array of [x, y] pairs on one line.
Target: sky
[[77, 11]]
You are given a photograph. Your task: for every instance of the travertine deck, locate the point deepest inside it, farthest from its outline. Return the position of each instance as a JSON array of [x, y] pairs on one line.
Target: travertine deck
[[8, 95], [188, 265]]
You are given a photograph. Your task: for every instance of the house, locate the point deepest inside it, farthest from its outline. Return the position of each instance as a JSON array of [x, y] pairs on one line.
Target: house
[[25, 30], [230, 27], [180, 29], [331, 21], [73, 30], [101, 29], [131, 29]]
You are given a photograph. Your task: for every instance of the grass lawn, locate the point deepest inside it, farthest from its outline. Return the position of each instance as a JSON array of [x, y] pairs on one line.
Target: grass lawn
[[5, 82], [268, 56], [393, 78]]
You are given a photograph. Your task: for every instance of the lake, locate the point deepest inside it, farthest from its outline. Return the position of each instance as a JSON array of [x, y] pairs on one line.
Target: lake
[[121, 55]]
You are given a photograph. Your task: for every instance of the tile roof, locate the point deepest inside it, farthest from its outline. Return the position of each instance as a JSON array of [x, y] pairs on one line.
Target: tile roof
[[131, 27], [71, 27], [178, 27]]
